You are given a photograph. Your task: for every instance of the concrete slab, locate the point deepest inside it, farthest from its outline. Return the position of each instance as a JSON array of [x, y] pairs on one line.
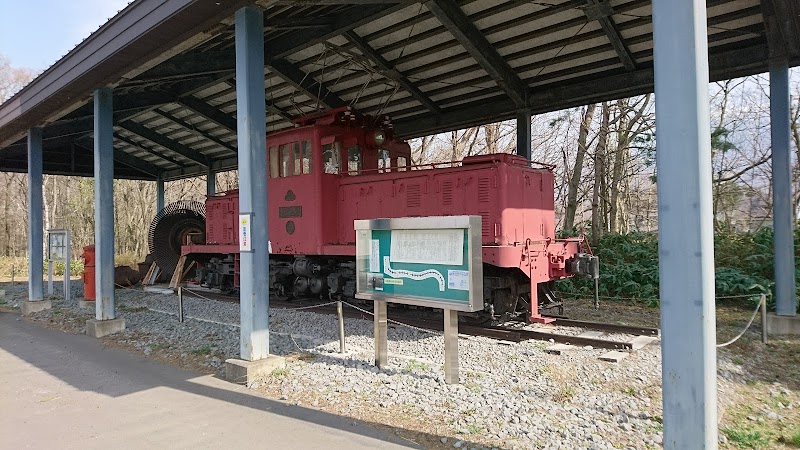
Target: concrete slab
[[642, 341], [245, 372], [159, 290], [62, 390], [593, 334], [2, 293], [613, 356], [86, 304], [99, 328], [28, 307], [786, 325]]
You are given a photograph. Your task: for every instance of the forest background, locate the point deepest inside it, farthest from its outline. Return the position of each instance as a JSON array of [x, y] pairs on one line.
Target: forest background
[[606, 180]]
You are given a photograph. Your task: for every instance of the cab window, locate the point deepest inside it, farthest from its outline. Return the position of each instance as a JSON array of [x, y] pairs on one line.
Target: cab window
[[287, 160], [331, 158], [306, 157], [273, 162], [384, 161], [402, 163], [354, 162], [291, 159]]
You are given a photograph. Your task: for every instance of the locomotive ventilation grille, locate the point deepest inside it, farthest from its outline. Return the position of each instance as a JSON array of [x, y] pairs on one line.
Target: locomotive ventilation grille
[[413, 196], [170, 229]]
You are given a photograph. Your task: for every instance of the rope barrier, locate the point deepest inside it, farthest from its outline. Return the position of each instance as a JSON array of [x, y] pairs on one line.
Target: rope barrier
[[650, 299], [760, 304], [435, 333]]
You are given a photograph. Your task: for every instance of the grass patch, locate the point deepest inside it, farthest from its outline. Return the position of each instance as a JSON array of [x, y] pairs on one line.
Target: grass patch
[[744, 438], [794, 439], [630, 391], [474, 429], [415, 365], [305, 356], [473, 387], [204, 350], [280, 372], [565, 394]]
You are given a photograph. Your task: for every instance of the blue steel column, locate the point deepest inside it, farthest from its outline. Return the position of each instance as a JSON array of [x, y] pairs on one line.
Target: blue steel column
[[685, 229], [104, 203], [211, 182], [252, 143], [780, 115], [159, 194], [524, 134], [35, 228]]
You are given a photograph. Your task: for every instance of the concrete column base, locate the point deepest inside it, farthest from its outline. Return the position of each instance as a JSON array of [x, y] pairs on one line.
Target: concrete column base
[[245, 372], [86, 304], [100, 328], [29, 307], [783, 324]]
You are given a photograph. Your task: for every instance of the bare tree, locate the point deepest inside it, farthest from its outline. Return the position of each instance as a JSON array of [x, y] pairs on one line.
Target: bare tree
[[577, 171]]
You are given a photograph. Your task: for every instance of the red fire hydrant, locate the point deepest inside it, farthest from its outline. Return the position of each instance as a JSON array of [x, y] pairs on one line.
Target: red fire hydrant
[[88, 273]]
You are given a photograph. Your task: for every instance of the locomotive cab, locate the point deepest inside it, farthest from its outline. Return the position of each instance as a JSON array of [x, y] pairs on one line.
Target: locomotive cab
[[305, 165]]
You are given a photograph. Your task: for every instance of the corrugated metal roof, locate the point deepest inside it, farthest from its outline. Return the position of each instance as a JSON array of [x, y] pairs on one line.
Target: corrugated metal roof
[[433, 66]]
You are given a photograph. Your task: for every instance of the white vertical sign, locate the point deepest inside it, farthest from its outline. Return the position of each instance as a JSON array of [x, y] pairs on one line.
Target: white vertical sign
[[245, 237]]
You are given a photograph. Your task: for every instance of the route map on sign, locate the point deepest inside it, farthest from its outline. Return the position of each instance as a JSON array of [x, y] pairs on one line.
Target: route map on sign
[[417, 276]]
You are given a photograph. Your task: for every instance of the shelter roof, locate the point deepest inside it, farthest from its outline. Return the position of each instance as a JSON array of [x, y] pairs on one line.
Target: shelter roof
[[433, 66]]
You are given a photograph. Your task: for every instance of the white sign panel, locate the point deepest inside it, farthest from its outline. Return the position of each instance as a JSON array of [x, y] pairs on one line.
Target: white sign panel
[[245, 237], [375, 255], [443, 246], [458, 279]]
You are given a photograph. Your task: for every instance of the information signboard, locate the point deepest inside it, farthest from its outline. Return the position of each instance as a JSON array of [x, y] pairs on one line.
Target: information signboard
[[424, 261], [58, 250]]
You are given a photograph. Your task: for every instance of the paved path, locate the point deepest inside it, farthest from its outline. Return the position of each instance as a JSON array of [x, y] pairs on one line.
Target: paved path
[[59, 390]]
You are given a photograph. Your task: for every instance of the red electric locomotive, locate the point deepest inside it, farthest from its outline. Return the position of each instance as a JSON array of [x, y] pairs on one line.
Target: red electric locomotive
[[339, 166]]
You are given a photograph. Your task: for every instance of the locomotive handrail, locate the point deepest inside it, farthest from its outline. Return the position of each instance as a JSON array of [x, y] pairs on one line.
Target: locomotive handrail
[[442, 165]]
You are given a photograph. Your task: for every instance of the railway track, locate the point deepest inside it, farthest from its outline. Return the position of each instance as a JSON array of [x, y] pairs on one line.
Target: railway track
[[596, 334]]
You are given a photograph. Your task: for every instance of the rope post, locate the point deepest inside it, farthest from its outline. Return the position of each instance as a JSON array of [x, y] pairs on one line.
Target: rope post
[[764, 331], [12, 275], [180, 304], [341, 326]]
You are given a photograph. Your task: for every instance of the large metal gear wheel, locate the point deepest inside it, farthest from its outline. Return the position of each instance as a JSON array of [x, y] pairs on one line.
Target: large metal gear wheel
[[170, 229]]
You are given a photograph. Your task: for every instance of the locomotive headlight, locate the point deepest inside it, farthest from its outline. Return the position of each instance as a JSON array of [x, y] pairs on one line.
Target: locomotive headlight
[[379, 137]]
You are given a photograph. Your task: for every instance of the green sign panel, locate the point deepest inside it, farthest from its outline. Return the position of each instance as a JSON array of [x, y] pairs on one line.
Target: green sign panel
[[427, 261]]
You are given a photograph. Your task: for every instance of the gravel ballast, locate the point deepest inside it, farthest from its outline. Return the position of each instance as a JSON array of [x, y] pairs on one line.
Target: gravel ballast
[[512, 395]]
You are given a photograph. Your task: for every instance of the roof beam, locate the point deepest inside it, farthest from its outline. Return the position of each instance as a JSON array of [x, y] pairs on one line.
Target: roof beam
[[347, 20], [782, 23], [129, 160], [209, 112], [389, 71], [591, 89], [602, 11], [130, 142], [300, 80], [470, 37], [336, 2], [135, 163], [192, 129], [170, 144]]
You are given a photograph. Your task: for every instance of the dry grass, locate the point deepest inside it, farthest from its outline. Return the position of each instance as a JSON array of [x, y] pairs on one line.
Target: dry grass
[[766, 378]]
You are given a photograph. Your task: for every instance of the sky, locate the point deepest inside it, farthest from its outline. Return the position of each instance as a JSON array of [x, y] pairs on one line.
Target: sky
[[36, 33]]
